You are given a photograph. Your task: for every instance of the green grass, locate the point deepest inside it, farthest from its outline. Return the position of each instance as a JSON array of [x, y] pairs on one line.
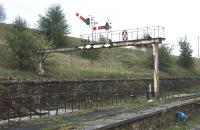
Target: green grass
[[192, 89], [6, 73], [111, 64]]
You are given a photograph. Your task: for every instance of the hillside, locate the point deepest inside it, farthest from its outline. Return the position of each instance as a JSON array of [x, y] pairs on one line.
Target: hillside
[[111, 63]]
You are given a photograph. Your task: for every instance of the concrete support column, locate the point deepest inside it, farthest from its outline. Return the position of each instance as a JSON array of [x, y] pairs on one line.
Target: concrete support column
[[156, 69]]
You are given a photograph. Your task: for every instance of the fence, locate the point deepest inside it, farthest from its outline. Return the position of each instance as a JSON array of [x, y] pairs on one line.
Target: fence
[[128, 34], [28, 98]]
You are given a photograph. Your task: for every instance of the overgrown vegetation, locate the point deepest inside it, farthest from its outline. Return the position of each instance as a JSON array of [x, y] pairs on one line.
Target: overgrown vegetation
[[24, 44]]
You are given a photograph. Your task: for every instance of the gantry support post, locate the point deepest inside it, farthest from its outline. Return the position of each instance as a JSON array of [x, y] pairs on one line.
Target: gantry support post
[[156, 70], [40, 69]]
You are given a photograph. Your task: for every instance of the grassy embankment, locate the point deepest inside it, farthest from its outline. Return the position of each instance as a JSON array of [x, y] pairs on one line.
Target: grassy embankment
[[112, 63]]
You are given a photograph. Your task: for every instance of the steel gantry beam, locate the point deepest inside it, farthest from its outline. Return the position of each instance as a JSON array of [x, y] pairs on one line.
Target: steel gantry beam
[[103, 45]]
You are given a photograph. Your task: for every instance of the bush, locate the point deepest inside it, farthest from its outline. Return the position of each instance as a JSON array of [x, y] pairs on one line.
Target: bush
[[164, 57], [54, 26], [24, 44], [185, 58]]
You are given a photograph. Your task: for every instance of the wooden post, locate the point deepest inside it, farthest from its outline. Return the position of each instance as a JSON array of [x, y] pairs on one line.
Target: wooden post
[[40, 60], [156, 69]]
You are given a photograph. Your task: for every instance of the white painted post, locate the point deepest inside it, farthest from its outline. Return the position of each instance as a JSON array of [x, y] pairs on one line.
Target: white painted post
[[156, 69]]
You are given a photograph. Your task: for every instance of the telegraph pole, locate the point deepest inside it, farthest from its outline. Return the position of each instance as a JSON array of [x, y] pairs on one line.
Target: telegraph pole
[[198, 46]]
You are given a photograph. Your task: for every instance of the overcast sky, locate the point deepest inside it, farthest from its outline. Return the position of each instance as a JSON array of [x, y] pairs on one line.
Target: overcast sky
[[179, 17]]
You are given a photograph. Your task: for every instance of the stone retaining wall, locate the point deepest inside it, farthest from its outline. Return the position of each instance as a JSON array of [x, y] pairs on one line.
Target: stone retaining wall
[[37, 87]]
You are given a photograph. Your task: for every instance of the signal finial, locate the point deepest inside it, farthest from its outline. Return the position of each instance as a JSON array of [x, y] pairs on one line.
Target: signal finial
[[77, 14]]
